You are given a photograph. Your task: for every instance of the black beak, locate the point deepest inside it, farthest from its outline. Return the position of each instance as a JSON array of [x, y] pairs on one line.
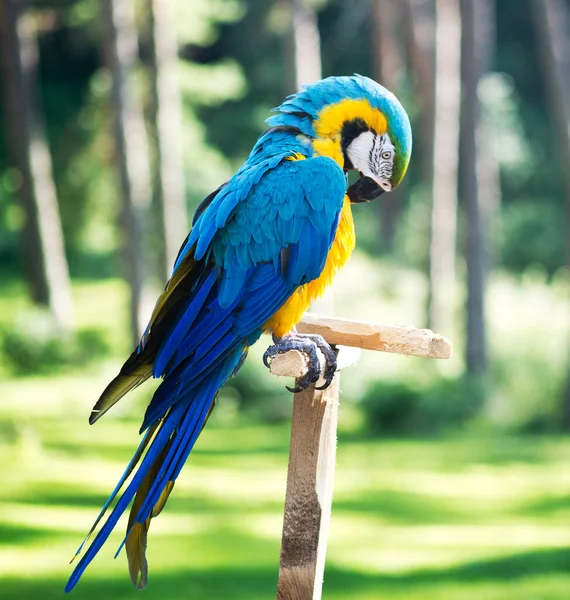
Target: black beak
[[364, 190]]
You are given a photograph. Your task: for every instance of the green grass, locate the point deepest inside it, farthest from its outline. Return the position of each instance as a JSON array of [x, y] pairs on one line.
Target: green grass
[[468, 516], [485, 518]]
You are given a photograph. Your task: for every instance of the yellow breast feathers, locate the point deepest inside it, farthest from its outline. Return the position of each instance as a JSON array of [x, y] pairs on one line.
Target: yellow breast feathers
[[343, 244]]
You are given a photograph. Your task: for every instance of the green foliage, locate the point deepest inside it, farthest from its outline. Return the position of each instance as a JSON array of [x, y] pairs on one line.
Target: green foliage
[[532, 234], [396, 407], [529, 332], [528, 394], [232, 72], [33, 344]]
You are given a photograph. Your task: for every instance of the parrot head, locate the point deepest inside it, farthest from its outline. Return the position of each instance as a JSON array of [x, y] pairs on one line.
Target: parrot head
[[357, 122]]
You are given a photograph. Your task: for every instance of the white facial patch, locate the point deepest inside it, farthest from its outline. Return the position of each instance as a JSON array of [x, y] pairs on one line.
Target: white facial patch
[[373, 156]]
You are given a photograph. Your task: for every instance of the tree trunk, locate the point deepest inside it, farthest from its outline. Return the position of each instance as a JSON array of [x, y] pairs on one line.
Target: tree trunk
[[475, 18], [445, 162], [43, 248], [166, 128], [388, 65], [302, 47], [552, 20], [131, 145], [306, 44], [419, 17], [487, 139]]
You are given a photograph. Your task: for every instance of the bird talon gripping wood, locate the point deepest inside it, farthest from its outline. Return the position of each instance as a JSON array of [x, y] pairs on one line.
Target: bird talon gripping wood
[[308, 344], [330, 353], [262, 247]]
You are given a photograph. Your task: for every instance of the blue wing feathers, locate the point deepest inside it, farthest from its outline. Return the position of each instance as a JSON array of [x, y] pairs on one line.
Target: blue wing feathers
[[267, 211], [243, 256], [231, 284], [208, 229], [216, 344], [263, 302], [172, 342]]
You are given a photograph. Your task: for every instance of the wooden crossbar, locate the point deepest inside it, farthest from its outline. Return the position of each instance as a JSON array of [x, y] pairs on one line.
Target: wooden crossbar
[[312, 452], [396, 339]]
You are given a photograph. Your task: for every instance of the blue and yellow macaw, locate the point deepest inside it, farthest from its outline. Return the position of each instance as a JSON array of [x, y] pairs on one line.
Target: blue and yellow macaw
[[262, 247]]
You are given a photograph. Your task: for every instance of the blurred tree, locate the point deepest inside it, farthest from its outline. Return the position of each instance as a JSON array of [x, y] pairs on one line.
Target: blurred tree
[[386, 42], [476, 22], [43, 249], [166, 132], [419, 21], [121, 51], [445, 163], [346, 36], [419, 17], [305, 45], [388, 67], [552, 19]]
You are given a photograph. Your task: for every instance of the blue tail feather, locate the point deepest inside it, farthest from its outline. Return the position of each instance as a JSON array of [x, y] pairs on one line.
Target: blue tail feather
[[156, 447], [184, 420], [178, 453], [124, 477]]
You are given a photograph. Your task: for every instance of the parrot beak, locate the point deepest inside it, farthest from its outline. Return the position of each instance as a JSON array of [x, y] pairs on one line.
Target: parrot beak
[[365, 190]]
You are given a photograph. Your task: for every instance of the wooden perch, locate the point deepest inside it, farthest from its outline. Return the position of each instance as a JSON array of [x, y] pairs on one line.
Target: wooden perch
[[397, 339], [308, 500], [312, 453], [296, 364]]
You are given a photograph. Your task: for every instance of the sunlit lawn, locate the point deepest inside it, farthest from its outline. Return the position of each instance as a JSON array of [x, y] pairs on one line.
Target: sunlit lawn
[[458, 518], [470, 517]]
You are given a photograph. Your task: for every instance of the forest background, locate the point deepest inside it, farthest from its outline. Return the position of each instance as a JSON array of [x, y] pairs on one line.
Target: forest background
[[120, 116]]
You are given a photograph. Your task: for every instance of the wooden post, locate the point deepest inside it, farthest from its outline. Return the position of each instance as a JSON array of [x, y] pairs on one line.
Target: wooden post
[[312, 453], [309, 493]]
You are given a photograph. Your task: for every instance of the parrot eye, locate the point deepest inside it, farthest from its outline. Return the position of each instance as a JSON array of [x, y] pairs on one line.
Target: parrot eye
[[386, 155]]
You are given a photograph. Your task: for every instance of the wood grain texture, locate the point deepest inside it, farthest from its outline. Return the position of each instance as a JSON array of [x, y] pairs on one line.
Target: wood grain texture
[[397, 339], [309, 493], [290, 364]]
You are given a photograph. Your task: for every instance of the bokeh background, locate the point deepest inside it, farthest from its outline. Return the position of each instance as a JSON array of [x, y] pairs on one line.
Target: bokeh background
[[453, 478]]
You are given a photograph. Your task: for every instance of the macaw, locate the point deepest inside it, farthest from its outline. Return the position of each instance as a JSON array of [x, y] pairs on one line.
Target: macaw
[[262, 247]]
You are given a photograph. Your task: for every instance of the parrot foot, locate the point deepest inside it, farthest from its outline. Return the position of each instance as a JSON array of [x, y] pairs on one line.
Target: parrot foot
[[308, 344]]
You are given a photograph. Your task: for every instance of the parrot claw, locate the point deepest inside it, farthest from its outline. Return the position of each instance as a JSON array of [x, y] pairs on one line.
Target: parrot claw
[[308, 344]]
